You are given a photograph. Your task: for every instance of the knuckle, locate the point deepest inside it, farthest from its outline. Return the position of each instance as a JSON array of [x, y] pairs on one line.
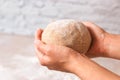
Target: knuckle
[[51, 68], [45, 62], [48, 49], [49, 62]]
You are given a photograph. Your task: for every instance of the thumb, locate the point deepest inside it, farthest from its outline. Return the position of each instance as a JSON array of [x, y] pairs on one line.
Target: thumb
[[38, 34]]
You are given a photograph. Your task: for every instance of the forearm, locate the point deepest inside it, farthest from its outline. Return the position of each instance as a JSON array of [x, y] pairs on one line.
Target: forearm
[[89, 70], [112, 44]]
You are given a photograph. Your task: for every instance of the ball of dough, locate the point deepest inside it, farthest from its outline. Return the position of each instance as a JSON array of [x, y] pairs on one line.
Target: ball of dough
[[68, 33]]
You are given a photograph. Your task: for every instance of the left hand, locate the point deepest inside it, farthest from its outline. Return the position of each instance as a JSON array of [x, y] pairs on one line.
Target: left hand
[[53, 56]]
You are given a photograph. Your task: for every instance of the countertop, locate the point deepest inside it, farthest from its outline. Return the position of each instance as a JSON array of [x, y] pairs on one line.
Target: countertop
[[18, 61]]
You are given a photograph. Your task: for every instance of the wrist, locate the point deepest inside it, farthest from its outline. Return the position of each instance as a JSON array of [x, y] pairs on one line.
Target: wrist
[[72, 63], [112, 47], [84, 68], [77, 63], [105, 45]]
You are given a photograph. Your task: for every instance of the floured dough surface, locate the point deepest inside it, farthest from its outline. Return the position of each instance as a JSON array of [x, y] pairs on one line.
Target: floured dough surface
[[68, 33]]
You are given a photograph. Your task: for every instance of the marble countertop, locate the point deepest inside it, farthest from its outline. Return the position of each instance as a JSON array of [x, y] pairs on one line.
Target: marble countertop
[[18, 61]]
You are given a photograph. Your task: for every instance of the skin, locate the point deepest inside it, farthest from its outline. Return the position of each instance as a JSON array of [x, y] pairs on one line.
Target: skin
[[104, 44], [65, 59]]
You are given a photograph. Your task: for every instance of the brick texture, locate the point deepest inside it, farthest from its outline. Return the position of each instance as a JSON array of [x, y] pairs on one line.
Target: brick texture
[[24, 16]]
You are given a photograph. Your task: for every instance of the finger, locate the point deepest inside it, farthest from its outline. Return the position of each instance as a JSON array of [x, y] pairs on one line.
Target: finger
[[95, 30], [41, 57], [87, 23], [39, 54], [44, 59], [93, 26], [40, 46], [38, 34]]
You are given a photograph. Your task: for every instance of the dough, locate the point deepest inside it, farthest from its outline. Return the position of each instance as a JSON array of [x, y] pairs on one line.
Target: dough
[[68, 33]]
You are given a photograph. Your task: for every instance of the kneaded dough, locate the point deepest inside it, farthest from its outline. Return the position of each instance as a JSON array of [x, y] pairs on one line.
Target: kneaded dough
[[68, 33]]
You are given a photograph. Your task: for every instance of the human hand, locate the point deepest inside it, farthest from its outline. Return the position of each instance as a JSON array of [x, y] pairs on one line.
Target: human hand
[[65, 59], [98, 46], [53, 56]]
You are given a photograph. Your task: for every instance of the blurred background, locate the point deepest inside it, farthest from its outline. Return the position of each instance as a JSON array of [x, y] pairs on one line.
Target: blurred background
[[19, 19]]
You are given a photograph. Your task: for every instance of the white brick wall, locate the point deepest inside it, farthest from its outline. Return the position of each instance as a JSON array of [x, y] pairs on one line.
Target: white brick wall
[[24, 16]]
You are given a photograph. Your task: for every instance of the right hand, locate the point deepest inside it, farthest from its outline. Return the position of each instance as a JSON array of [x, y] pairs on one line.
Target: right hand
[[98, 46]]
